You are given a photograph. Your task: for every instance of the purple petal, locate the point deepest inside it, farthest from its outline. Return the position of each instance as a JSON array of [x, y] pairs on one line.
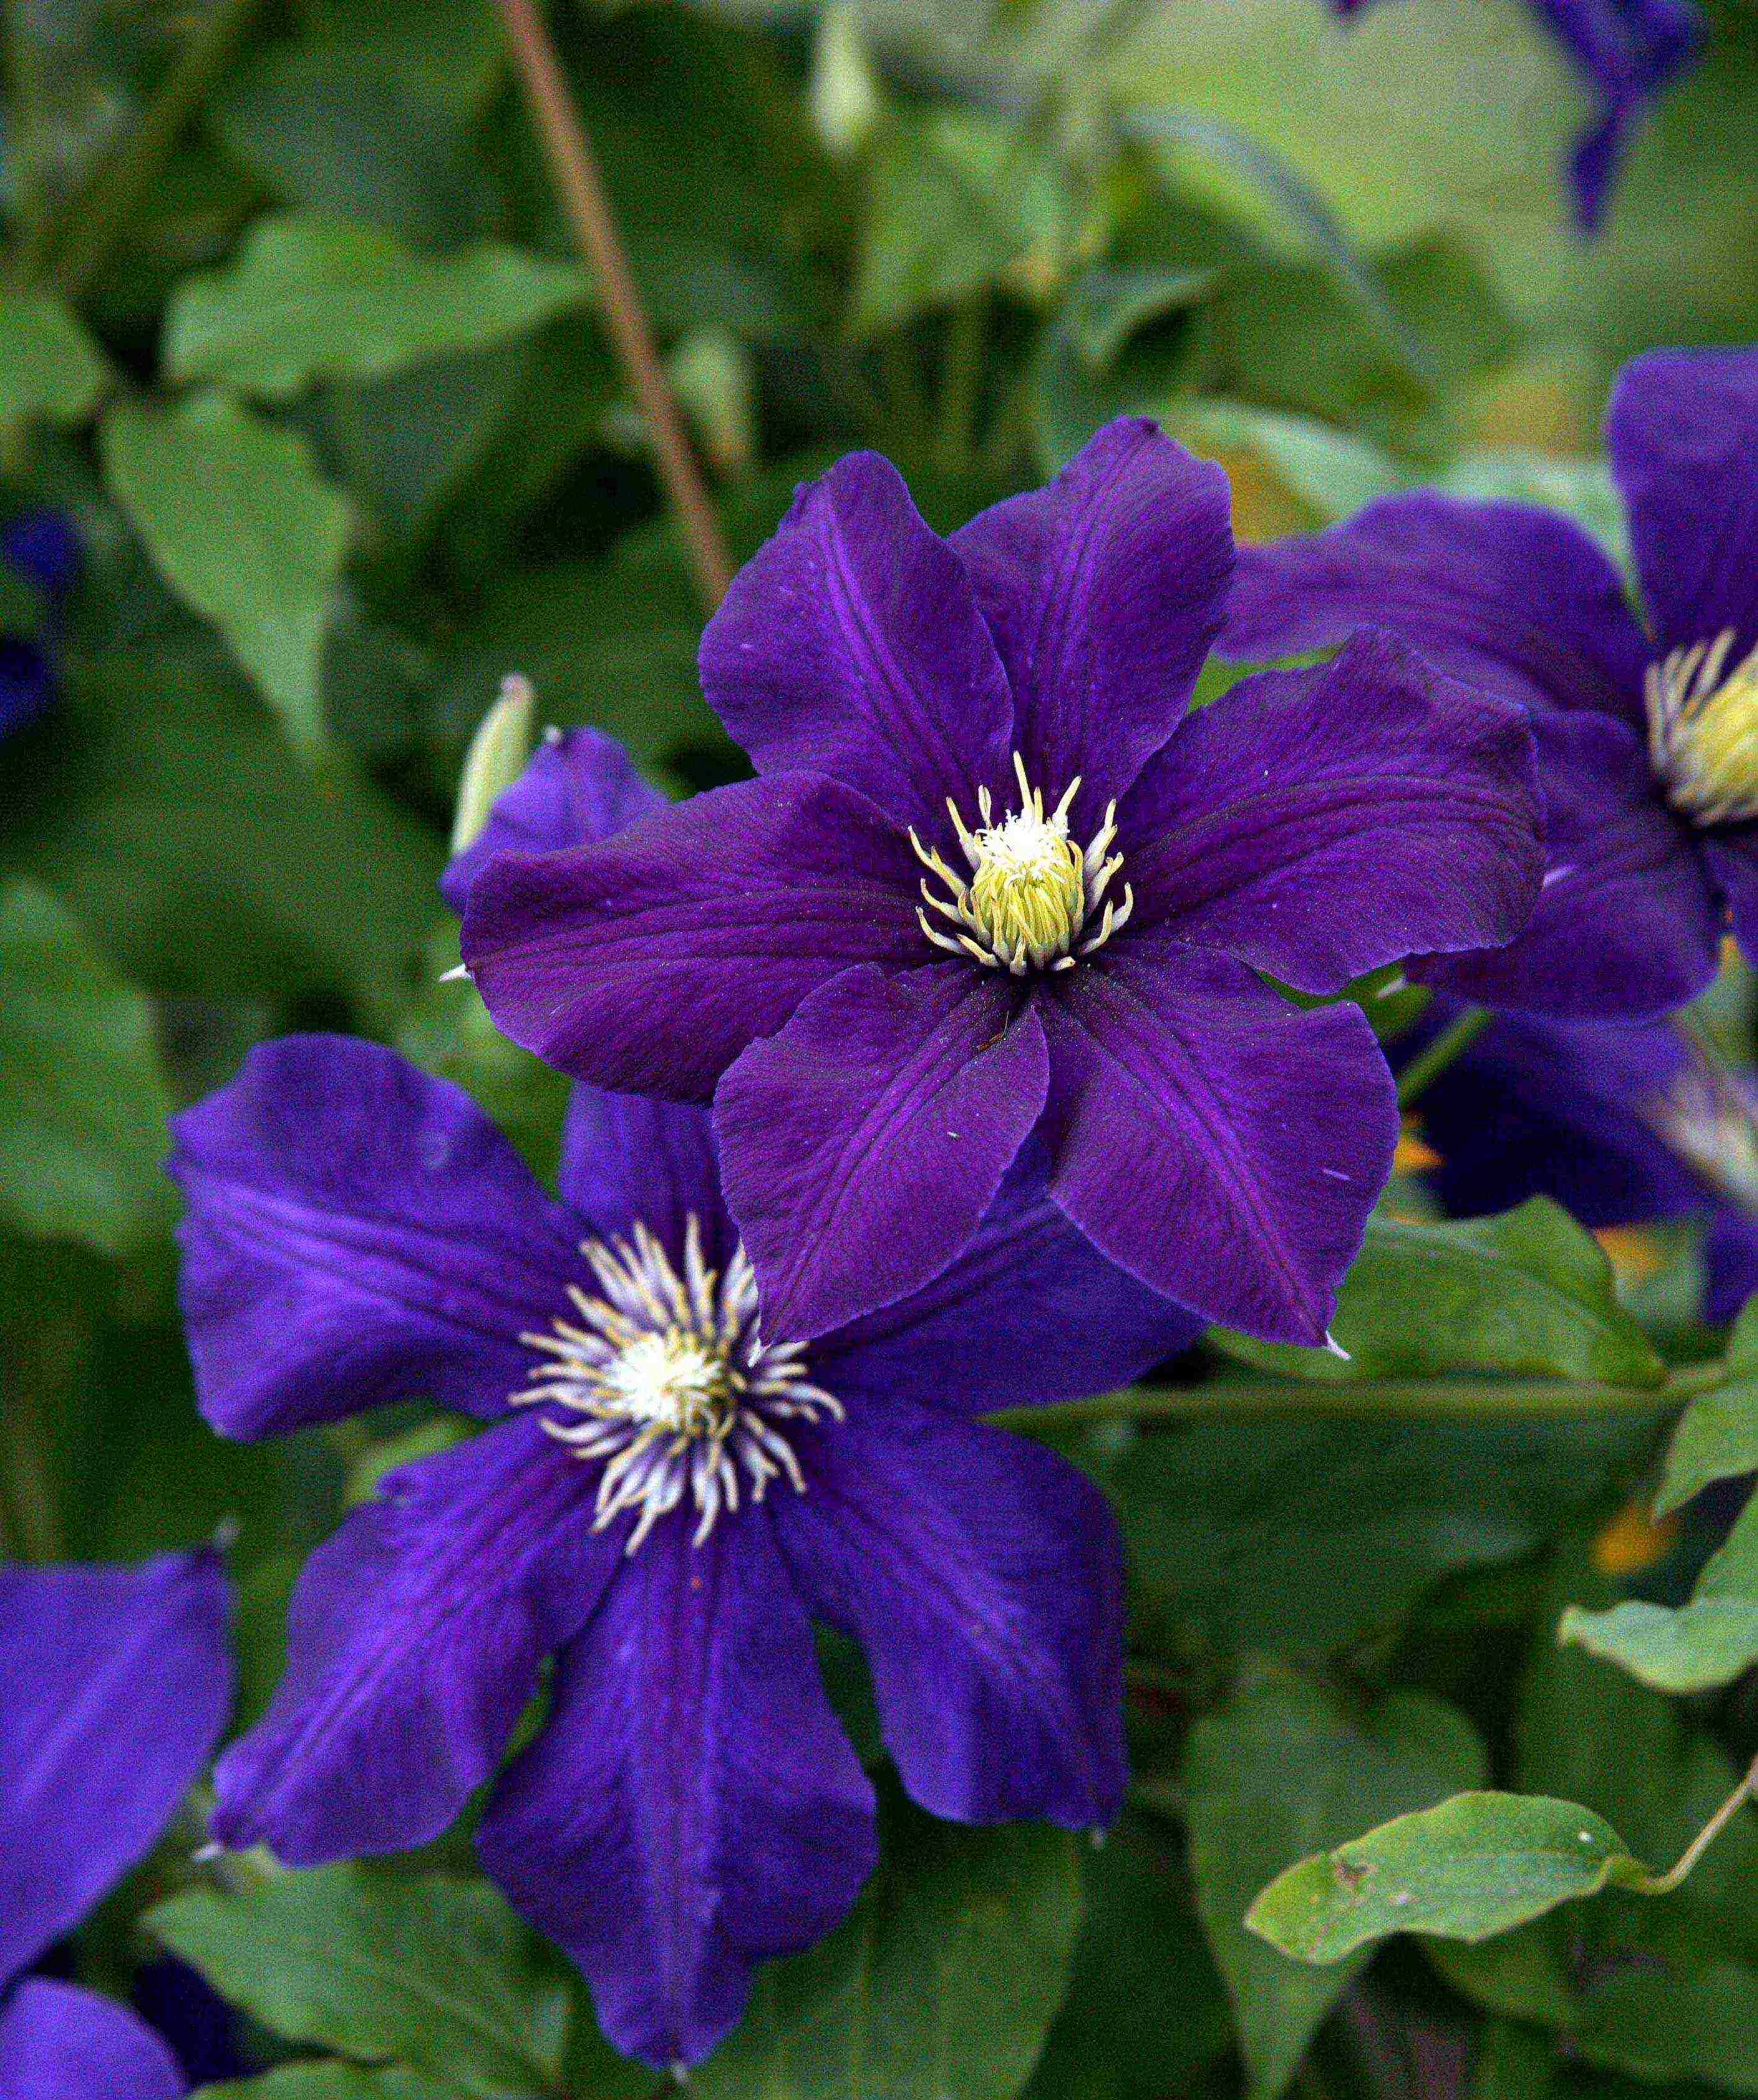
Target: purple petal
[[414, 1640], [648, 962], [1629, 922], [1221, 1144], [850, 645], [1104, 591], [1030, 1312], [982, 1575], [1682, 431], [58, 2042], [1506, 596], [579, 785], [861, 1145], [1626, 51], [1318, 823], [357, 1232], [115, 1682], [627, 1161], [1732, 858], [691, 1807]]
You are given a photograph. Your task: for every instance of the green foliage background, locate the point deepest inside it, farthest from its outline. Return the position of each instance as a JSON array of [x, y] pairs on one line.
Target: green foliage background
[[293, 329]]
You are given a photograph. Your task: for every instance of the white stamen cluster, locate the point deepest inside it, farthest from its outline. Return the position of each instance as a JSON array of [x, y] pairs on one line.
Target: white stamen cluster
[[664, 1376], [1711, 1124], [1703, 730], [1031, 895]]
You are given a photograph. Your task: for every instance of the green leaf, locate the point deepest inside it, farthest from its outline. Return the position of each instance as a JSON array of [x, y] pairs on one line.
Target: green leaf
[[1701, 1645], [1478, 1864], [48, 365], [955, 206], [1529, 1291], [1302, 1535], [244, 529], [424, 1970], [1145, 2009], [1716, 1438], [1697, 1646], [309, 297], [83, 1100], [335, 2081], [168, 813], [1280, 1769], [950, 1969]]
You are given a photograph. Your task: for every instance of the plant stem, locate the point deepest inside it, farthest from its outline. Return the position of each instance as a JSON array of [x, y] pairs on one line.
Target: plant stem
[[107, 209], [580, 187], [1663, 1885], [1426, 1067], [1361, 1397]]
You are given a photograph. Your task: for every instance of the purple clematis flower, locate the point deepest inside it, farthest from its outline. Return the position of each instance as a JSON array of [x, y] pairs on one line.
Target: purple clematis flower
[[1622, 1122], [993, 893], [665, 1493], [42, 548], [114, 1684], [1647, 736], [1627, 53]]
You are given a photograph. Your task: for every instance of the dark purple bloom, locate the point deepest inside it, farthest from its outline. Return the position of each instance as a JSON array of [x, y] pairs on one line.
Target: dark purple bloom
[[1622, 1122], [1627, 52], [114, 1682], [1647, 735], [42, 548], [662, 1496], [994, 894]]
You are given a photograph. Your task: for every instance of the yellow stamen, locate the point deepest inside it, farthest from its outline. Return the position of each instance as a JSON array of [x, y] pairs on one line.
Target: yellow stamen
[[1703, 730], [1027, 903]]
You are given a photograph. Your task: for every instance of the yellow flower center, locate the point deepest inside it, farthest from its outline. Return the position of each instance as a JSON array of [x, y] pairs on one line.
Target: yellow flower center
[[1032, 894], [1702, 731]]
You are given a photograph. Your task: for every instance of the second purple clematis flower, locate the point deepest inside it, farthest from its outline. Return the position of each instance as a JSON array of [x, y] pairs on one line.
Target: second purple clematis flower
[[666, 1489], [114, 1684], [1646, 735], [1623, 1122], [1626, 51], [995, 889]]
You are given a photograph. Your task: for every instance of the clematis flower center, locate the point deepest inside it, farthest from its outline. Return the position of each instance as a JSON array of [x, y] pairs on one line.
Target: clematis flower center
[[1703, 730], [663, 1376], [1032, 898]]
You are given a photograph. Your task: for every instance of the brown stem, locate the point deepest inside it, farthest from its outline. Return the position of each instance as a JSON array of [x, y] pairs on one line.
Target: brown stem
[[581, 189]]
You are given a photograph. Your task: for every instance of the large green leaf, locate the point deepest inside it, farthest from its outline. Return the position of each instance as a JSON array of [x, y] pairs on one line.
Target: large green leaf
[[48, 365], [945, 1979], [309, 297], [421, 1971], [1145, 2009], [1303, 1533], [336, 2081], [203, 857], [1526, 1291], [244, 529], [1478, 1865], [1280, 1769], [82, 1099]]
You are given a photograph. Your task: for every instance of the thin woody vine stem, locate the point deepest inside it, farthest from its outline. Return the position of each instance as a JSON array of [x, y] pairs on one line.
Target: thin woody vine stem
[[574, 170]]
